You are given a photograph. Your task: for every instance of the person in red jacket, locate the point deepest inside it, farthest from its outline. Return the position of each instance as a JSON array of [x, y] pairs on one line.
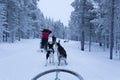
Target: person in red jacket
[[44, 40]]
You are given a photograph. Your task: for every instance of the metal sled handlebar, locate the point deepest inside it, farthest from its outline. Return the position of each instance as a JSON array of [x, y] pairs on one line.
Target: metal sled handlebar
[[58, 70]]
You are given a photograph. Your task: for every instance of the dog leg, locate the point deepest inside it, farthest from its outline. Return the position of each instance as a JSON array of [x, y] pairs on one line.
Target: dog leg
[[53, 58], [47, 55], [65, 62], [50, 60], [46, 63], [59, 61]]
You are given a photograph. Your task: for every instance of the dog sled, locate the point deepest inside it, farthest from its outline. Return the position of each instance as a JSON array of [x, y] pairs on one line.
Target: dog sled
[[57, 73]]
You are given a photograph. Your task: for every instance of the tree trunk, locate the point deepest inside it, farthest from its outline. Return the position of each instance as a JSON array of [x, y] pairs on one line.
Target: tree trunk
[[90, 35], [19, 34], [82, 41], [112, 31], [83, 25]]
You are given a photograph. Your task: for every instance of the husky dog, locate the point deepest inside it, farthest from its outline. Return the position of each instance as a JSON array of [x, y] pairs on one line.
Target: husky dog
[[50, 53], [61, 53]]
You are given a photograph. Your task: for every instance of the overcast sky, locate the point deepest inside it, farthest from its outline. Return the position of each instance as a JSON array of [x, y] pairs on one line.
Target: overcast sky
[[57, 9]]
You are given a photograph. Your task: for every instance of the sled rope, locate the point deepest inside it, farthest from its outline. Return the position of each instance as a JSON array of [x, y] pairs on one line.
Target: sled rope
[[56, 77]]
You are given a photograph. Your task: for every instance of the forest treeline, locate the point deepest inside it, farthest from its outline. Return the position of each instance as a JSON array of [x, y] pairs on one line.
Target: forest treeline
[[22, 19], [96, 21], [90, 21]]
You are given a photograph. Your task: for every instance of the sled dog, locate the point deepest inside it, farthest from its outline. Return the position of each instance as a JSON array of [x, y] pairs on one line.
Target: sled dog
[[50, 53], [61, 54]]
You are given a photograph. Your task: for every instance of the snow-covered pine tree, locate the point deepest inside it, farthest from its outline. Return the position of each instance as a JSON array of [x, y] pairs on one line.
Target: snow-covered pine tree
[[2, 20], [75, 22], [12, 19], [59, 29], [109, 23], [117, 26], [80, 20], [30, 19]]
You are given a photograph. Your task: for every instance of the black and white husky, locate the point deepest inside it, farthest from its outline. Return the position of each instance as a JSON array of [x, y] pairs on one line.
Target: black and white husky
[[61, 53], [50, 53]]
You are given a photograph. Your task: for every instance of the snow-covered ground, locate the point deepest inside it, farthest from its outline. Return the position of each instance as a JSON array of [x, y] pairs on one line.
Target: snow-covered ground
[[23, 60]]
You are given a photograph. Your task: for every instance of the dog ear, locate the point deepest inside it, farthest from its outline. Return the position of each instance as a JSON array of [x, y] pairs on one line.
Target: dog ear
[[58, 44], [58, 41]]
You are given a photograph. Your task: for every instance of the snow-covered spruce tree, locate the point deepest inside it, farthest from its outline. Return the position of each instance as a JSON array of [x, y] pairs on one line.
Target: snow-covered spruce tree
[[38, 23], [12, 18], [80, 20], [110, 23], [104, 17], [91, 27], [112, 28], [31, 19], [23, 19], [75, 22], [48, 23], [2, 19], [4, 33], [117, 25], [59, 29]]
